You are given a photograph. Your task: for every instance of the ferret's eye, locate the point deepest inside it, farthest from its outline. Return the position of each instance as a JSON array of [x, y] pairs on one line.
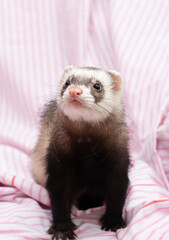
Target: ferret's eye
[[67, 83], [97, 86]]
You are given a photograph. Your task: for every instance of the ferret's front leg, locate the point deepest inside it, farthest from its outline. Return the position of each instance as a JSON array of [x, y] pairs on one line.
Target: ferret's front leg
[[60, 200], [117, 185], [112, 219], [59, 186]]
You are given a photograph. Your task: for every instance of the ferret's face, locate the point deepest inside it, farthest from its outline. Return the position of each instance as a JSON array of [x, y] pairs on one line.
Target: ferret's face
[[89, 94]]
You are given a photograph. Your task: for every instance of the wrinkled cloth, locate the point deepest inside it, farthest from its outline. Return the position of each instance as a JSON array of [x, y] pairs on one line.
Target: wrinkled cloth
[[38, 39]]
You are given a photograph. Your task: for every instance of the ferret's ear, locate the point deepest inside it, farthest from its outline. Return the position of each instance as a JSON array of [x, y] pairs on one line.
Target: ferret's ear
[[117, 80], [68, 67], [66, 70]]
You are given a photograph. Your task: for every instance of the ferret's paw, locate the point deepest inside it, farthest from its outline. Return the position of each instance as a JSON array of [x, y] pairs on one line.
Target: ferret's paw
[[111, 224], [66, 234]]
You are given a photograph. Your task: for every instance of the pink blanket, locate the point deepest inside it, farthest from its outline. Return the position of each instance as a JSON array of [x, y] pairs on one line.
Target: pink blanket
[[37, 40]]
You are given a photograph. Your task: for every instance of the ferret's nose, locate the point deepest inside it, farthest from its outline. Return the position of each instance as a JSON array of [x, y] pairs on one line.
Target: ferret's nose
[[75, 91]]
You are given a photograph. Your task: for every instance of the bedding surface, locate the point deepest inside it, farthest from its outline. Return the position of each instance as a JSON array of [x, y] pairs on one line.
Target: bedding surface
[[38, 39]]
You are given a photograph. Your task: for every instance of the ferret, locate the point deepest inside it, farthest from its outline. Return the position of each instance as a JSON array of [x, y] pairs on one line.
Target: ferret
[[81, 156]]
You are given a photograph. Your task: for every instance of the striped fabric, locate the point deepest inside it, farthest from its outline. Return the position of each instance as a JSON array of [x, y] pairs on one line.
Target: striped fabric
[[37, 40]]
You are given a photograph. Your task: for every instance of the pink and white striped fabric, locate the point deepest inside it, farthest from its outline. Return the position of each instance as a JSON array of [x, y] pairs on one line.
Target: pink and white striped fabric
[[37, 40]]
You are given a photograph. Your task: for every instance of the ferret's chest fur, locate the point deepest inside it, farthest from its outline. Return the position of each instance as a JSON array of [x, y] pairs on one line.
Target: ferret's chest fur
[[89, 153], [87, 161]]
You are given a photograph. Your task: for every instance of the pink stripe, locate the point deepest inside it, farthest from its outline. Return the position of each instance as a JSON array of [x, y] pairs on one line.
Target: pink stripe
[[140, 219], [163, 131], [150, 225], [165, 157], [25, 84], [108, 44], [163, 235], [82, 230], [132, 214], [32, 217], [4, 178], [97, 38], [22, 183], [23, 165], [13, 179], [31, 238], [100, 235], [163, 140], [13, 231], [159, 164], [31, 188], [139, 185], [154, 230], [87, 217], [25, 224], [40, 194], [46, 37], [1, 191], [162, 148]]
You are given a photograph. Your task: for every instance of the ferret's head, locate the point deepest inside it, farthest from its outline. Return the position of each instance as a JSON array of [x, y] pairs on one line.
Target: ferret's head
[[90, 94]]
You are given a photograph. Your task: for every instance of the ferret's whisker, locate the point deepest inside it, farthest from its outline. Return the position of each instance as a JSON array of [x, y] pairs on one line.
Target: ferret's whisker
[[98, 112]]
